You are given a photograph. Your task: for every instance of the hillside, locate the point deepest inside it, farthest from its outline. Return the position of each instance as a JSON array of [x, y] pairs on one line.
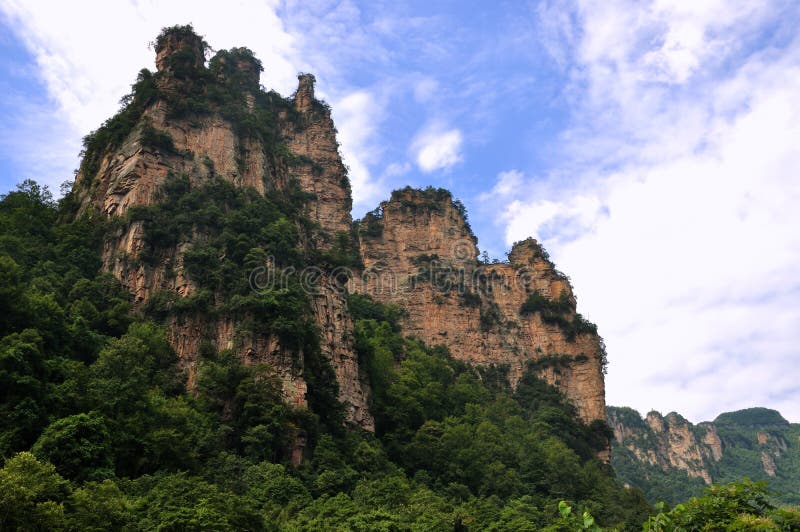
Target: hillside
[[671, 459], [198, 337]]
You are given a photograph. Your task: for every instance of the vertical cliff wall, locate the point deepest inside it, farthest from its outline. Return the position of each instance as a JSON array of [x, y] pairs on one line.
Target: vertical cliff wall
[[419, 253], [669, 442], [202, 123], [196, 142]]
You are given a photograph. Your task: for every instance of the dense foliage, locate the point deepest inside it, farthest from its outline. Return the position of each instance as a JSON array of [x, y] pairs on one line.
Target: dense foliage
[[742, 505], [557, 312], [752, 418], [98, 431]]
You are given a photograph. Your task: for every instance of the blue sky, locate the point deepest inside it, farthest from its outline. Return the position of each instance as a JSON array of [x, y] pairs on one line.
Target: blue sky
[[651, 145]]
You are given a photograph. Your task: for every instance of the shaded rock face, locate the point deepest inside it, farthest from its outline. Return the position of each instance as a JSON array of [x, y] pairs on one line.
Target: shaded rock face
[[668, 442], [421, 255], [179, 46], [336, 342], [209, 145], [672, 443], [239, 66]]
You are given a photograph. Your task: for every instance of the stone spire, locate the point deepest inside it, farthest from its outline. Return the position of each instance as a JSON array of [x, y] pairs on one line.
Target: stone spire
[[304, 97]]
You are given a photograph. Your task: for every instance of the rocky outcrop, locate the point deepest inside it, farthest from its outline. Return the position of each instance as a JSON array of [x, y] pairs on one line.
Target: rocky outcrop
[[181, 48], [201, 123], [712, 440], [336, 342], [202, 146], [768, 463], [318, 168], [669, 442], [419, 253]]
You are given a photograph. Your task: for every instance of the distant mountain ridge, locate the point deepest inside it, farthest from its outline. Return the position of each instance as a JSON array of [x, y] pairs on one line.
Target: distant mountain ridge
[[671, 459]]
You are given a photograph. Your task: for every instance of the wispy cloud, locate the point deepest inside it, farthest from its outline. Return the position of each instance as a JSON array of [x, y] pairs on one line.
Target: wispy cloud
[[437, 147], [38, 143], [357, 117]]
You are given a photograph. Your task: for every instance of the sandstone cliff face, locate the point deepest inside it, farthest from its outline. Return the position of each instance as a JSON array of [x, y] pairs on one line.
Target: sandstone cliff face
[[336, 329], [678, 447], [421, 255], [207, 145], [320, 170], [424, 258]]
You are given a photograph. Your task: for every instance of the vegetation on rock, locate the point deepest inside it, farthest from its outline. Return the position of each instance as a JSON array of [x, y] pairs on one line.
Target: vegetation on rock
[[749, 442], [99, 431]]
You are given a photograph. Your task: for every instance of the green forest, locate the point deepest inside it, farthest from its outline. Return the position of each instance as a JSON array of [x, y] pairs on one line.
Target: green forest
[[98, 431]]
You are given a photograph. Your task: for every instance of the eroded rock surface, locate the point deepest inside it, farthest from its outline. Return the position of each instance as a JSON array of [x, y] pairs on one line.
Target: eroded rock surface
[[209, 145], [422, 256]]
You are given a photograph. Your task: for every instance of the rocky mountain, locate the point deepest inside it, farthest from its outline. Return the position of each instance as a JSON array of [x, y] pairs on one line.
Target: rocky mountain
[[672, 459], [194, 142]]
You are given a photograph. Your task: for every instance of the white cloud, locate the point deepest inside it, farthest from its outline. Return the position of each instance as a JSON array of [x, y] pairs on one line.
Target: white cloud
[[40, 144], [397, 169], [437, 148], [507, 183], [90, 62], [678, 227], [357, 117]]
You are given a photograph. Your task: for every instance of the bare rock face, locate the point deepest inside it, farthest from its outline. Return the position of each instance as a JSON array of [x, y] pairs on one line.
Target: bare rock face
[[336, 342], [304, 97], [656, 421], [683, 450], [419, 253], [768, 463], [712, 440], [657, 453], [319, 168], [208, 145], [672, 443]]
